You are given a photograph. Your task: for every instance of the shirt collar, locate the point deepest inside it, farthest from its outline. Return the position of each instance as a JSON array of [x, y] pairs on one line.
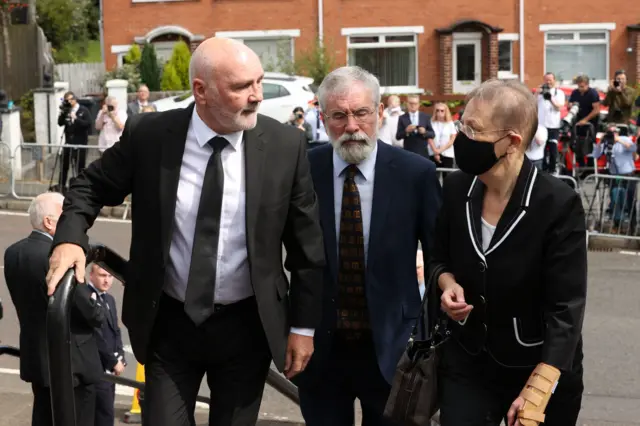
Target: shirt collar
[[101, 293], [366, 167], [204, 134], [43, 233]]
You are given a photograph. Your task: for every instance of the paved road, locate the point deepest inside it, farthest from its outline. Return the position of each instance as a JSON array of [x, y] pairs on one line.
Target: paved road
[[612, 331]]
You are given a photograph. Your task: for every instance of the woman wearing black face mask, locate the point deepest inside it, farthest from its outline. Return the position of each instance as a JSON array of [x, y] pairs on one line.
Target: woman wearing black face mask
[[509, 259]]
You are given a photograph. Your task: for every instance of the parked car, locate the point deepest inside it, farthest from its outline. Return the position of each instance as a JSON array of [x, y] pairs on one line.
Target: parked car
[[282, 93]]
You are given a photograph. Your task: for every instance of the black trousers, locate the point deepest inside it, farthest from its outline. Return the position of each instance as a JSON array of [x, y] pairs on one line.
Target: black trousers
[[550, 158], [85, 399], [477, 391], [105, 400], [77, 158], [352, 373], [230, 347]]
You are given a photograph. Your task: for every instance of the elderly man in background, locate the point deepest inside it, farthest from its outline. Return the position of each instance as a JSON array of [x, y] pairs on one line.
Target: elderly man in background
[[110, 122], [141, 102], [376, 203], [389, 122], [25, 268]]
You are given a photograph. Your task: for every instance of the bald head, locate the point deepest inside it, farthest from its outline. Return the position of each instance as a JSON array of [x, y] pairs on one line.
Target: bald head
[[45, 210], [218, 55]]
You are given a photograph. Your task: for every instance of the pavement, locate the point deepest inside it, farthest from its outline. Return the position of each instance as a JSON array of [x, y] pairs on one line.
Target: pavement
[[611, 335]]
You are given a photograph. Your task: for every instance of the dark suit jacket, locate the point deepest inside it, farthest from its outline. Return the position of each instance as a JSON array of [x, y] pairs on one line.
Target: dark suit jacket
[[77, 133], [529, 288], [26, 265], [406, 199], [414, 141], [108, 335], [281, 207]]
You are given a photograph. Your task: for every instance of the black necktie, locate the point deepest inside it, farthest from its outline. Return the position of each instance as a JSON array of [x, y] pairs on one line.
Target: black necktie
[[198, 302], [353, 316]]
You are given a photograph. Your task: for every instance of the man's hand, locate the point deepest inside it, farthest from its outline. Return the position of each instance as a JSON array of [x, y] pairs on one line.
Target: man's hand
[[582, 122], [119, 368], [65, 256], [422, 130], [512, 415], [299, 351], [410, 128]]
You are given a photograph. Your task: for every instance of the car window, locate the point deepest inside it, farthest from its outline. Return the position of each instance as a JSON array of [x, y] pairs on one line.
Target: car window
[[272, 91]]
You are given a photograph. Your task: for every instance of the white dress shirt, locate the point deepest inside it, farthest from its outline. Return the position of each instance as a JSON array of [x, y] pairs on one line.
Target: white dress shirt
[[364, 181], [233, 279]]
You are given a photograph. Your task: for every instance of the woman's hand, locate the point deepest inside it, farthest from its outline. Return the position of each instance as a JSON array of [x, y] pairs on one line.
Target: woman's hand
[[512, 415], [452, 301]]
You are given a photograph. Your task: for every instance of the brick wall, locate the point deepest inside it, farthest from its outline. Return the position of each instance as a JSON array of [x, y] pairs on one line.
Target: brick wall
[[446, 60], [124, 20]]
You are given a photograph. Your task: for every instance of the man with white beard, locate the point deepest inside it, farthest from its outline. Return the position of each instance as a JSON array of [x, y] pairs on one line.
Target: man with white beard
[[376, 203]]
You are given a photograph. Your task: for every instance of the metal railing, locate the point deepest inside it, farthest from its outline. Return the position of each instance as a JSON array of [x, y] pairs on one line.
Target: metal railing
[[6, 167], [59, 343]]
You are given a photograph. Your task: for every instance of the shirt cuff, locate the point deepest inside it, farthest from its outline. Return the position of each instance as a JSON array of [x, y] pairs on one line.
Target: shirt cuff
[[303, 331]]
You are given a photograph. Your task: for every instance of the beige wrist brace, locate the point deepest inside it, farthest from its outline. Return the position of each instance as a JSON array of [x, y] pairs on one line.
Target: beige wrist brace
[[536, 394]]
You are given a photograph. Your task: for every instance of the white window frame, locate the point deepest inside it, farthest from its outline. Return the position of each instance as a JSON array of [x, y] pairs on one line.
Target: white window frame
[[576, 29], [511, 38], [120, 50], [265, 34], [382, 33]]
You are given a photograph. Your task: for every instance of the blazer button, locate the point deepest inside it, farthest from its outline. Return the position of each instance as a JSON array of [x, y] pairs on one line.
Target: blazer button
[[482, 266], [153, 304]]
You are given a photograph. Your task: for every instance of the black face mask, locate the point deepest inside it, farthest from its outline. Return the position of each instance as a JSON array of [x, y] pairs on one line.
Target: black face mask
[[473, 157]]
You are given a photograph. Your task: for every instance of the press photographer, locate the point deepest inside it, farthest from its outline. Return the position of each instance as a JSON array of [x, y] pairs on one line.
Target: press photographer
[[550, 101], [76, 120], [619, 99], [584, 103], [619, 150], [297, 120]]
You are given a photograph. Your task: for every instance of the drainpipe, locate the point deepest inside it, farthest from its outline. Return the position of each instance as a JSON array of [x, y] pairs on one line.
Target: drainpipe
[[320, 21], [101, 28], [521, 38]]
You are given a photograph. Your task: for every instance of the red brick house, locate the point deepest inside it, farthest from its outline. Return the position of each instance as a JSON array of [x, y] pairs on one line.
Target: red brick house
[[413, 46]]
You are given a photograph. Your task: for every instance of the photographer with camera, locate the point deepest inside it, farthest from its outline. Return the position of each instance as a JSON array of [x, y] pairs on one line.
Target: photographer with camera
[[550, 101], [584, 107], [619, 151], [76, 120], [297, 120], [110, 123], [619, 99]]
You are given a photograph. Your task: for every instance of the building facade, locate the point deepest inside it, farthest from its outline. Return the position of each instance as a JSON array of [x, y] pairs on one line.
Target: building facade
[[412, 46]]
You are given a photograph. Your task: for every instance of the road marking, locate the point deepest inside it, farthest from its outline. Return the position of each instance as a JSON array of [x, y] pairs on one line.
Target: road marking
[[630, 253], [99, 219], [120, 390]]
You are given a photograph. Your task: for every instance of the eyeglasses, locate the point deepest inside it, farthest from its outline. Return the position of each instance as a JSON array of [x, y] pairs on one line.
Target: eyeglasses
[[361, 116], [463, 128], [439, 110]]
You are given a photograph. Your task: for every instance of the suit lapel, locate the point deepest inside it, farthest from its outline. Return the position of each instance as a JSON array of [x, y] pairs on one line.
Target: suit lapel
[[110, 301], [172, 149], [254, 148], [324, 185], [382, 196]]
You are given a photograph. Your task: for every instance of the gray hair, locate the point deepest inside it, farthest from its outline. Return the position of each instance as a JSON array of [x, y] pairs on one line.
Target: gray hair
[[42, 206], [340, 80], [512, 104]]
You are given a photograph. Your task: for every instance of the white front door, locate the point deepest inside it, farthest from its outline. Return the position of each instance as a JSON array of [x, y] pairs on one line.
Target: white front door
[[467, 62]]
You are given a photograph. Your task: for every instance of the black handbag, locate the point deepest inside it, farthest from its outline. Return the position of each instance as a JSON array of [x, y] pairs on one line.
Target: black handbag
[[413, 400]]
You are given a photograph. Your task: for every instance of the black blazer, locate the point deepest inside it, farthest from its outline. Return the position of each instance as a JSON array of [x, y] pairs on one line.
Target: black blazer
[[77, 133], [26, 265], [281, 207], [414, 141], [108, 335], [406, 199], [529, 288]]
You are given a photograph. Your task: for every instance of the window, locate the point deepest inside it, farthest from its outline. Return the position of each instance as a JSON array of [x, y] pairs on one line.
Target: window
[[505, 56], [274, 53], [576, 49], [272, 91], [164, 50], [390, 55]]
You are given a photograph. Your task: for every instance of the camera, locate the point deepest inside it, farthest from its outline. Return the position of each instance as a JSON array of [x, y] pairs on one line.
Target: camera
[[299, 115], [110, 108], [616, 83], [546, 92], [571, 115]]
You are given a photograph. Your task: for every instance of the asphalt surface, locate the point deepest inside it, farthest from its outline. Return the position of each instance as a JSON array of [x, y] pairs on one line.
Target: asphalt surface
[[611, 334]]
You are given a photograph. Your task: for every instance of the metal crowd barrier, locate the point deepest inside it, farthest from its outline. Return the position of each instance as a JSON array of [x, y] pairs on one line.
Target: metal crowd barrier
[[59, 343], [35, 168], [6, 166], [612, 206]]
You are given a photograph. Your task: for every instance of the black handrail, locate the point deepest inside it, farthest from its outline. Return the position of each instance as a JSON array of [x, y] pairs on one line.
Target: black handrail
[[9, 350], [59, 342]]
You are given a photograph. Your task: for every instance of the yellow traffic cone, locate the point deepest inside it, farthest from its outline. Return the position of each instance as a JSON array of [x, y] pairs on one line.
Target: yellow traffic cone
[[135, 414]]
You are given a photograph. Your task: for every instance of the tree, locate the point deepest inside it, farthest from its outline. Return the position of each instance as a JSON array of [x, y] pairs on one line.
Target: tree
[[149, 69], [133, 56], [180, 58], [170, 78], [63, 21], [316, 62], [6, 7]]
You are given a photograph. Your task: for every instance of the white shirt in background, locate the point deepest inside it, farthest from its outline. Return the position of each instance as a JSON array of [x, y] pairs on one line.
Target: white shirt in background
[[443, 131], [536, 148]]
